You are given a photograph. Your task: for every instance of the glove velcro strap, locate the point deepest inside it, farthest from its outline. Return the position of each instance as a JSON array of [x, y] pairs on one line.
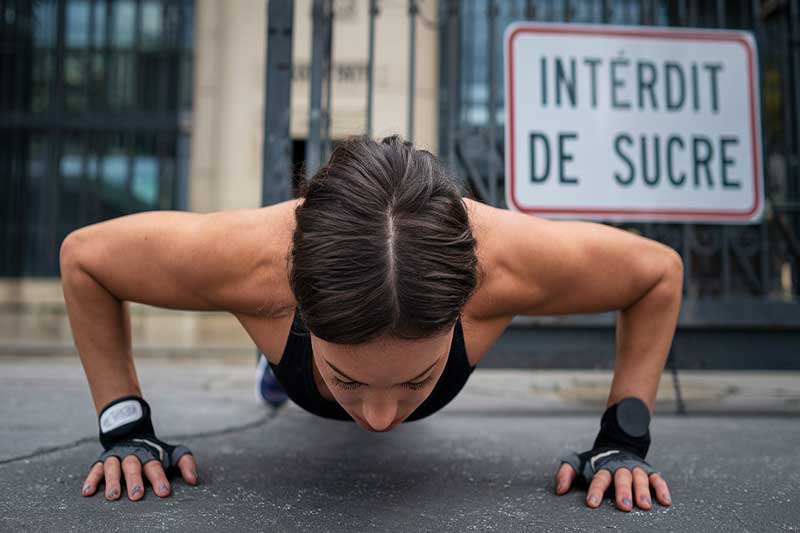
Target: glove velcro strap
[[124, 418], [625, 425]]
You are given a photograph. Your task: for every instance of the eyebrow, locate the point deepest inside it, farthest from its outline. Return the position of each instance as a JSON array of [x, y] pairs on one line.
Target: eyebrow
[[418, 376]]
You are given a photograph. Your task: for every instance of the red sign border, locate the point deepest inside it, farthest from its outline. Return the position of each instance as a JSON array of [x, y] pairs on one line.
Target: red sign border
[[643, 32]]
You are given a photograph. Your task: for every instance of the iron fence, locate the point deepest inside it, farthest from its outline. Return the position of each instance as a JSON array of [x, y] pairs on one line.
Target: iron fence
[[734, 275], [94, 98], [741, 267]]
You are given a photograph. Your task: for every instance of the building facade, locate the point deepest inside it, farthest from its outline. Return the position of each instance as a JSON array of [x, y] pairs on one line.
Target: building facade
[[109, 107]]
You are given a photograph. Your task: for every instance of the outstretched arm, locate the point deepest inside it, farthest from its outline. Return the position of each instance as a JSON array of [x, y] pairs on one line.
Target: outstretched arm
[[546, 267], [564, 267]]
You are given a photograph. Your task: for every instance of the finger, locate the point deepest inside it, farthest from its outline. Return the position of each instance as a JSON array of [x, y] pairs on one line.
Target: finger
[[564, 478], [660, 488], [641, 488], [155, 474], [622, 488], [112, 473], [92, 479], [132, 468], [188, 467], [600, 482]]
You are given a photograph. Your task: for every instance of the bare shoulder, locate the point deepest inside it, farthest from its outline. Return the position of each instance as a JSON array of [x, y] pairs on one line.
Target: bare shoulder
[[481, 324], [484, 220], [263, 237]]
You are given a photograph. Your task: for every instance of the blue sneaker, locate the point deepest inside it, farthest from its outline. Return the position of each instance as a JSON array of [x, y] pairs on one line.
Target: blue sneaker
[[268, 389]]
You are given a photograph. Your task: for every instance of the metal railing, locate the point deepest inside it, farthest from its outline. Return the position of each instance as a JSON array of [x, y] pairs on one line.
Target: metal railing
[[738, 268], [94, 104], [742, 275]]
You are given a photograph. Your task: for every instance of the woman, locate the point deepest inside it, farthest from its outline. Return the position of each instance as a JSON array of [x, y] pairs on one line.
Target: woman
[[402, 287]]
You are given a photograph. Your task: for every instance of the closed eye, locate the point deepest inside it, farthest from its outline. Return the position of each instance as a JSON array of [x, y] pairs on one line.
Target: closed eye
[[352, 385], [347, 385], [416, 385]]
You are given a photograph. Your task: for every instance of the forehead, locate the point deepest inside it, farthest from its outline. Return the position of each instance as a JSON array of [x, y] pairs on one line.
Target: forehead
[[384, 358]]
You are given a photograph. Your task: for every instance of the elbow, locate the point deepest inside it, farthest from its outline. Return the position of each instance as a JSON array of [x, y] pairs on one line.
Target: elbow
[[672, 276], [68, 254]]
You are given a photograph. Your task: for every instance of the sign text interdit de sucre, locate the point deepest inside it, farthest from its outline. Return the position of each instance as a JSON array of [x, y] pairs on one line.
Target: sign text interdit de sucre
[[632, 124]]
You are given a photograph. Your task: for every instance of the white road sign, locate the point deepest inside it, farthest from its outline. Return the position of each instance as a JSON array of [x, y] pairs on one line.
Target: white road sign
[[633, 123]]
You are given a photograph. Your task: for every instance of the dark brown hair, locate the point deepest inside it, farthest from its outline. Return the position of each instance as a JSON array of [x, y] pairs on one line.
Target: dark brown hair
[[382, 245]]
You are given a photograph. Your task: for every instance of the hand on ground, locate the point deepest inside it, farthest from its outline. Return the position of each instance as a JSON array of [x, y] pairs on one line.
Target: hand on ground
[[627, 484], [111, 473]]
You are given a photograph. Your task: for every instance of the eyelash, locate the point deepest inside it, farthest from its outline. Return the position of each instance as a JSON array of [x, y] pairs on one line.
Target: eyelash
[[419, 384], [352, 385]]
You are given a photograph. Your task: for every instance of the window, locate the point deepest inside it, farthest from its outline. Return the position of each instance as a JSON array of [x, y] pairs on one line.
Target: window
[[92, 99]]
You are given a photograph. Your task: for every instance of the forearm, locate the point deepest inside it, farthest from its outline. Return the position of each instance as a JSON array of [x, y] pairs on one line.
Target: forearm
[[644, 336], [101, 328]]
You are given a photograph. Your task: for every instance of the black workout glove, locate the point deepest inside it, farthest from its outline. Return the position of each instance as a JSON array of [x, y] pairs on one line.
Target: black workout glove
[[126, 429], [622, 442]]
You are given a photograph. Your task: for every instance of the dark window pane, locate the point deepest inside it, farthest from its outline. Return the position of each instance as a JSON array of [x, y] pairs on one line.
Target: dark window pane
[[71, 191], [41, 80], [114, 164], [44, 23], [152, 24], [55, 178], [122, 33], [185, 82], [75, 81], [187, 26], [97, 81], [99, 37], [37, 158], [71, 165], [149, 79], [122, 86], [77, 30], [172, 27]]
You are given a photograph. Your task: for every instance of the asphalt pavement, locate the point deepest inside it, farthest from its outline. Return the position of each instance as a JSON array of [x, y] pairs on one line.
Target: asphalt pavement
[[484, 463]]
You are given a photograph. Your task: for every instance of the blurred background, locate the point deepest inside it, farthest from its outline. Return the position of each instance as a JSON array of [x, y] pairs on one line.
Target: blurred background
[[111, 107]]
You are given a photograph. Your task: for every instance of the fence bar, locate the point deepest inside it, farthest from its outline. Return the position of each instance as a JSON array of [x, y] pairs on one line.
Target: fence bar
[[412, 58], [130, 139], [490, 160], [454, 40], [686, 249], [46, 240], [276, 151], [764, 266], [327, 68], [313, 148], [725, 259], [530, 9], [373, 12], [789, 112], [794, 68]]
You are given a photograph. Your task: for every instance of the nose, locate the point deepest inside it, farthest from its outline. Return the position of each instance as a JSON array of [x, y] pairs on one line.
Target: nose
[[380, 414]]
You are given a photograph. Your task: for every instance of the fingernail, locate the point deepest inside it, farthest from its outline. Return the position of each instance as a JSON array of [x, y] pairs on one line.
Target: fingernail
[[593, 500], [626, 502], [136, 489], [87, 488]]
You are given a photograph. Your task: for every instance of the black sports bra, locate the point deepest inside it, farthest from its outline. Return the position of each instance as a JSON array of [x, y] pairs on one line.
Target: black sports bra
[[294, 372]]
